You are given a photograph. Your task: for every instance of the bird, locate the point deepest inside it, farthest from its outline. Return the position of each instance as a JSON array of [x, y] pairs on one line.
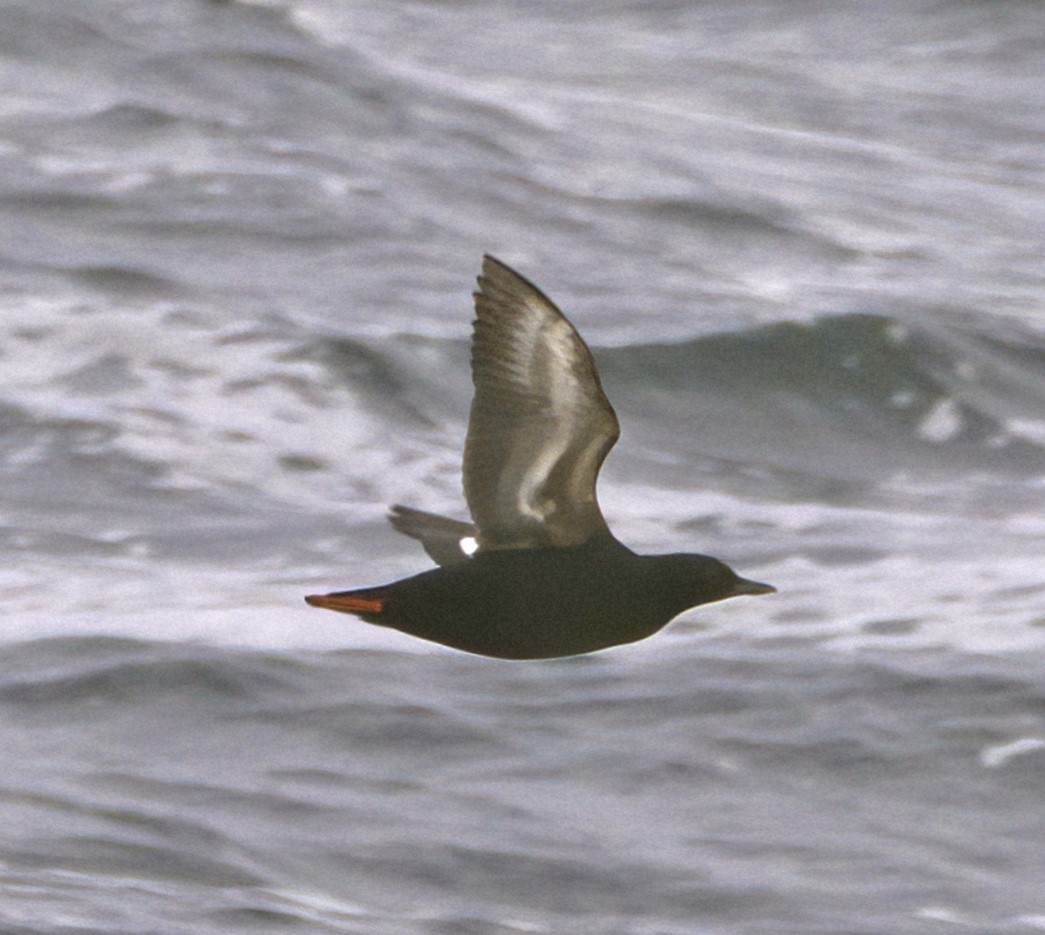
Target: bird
[[546, 577]]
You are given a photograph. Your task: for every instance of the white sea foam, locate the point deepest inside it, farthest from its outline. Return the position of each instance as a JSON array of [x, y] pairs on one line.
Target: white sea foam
[[1000, 754]]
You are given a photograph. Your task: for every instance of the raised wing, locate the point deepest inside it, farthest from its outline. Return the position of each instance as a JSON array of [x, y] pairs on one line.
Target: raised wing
[[540, 424]]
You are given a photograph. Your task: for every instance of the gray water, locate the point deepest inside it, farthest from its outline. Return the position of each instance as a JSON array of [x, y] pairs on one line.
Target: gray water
[[237, 243]]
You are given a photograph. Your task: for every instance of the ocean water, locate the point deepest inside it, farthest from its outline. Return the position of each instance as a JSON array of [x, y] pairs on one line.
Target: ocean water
[[237, 245]]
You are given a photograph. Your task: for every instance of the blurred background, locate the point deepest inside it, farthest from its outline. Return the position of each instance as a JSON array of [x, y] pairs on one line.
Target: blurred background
[[237, 246]]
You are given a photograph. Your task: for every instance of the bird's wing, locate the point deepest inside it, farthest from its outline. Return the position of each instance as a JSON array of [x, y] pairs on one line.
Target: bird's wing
[[440, 536], [540, 424]]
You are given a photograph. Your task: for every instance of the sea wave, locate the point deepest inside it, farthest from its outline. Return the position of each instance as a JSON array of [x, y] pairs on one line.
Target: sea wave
[[159, 399], [859, 396]]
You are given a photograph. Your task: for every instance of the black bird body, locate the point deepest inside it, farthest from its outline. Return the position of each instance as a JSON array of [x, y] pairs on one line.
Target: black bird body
[[548, 579], [542, 603]]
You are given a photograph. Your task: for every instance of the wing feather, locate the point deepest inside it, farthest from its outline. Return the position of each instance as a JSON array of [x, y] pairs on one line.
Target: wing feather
[[440, 536], [540, 424]]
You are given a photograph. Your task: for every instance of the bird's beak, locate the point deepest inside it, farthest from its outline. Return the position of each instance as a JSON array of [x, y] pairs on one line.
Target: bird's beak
[[743, 586]]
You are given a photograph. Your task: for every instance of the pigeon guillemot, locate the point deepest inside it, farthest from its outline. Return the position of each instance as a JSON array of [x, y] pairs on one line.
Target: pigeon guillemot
[[548, 577]]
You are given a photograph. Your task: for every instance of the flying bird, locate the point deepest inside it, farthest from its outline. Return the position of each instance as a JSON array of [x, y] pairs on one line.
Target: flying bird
[[548, 578]]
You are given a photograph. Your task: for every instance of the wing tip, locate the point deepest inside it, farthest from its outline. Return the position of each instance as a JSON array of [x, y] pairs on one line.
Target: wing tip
[[496, 274]]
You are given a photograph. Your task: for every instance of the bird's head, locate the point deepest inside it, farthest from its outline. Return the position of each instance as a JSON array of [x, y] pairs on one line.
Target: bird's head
[[699, 579]]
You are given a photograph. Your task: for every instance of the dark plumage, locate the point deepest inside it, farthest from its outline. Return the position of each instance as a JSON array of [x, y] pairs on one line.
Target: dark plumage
[[548, 579]]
